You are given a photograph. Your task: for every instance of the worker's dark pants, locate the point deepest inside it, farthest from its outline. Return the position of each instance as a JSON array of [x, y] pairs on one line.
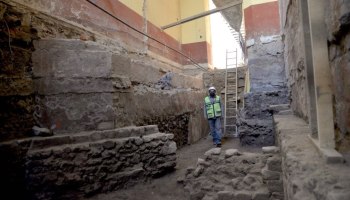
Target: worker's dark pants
[[215, 129]]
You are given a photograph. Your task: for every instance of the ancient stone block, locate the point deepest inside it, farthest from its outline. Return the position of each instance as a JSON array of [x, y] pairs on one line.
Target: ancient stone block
[[121, 82], [275, 185], [261, 195], [168, 148], [225, 195], [198, 171], [50, 85], [231, 152], [72, 61], [75, 112], [108, 144], [105, 125], [270, 175], [274, 164], [213, 151], [242, 195], [202, 162], [270, 149]]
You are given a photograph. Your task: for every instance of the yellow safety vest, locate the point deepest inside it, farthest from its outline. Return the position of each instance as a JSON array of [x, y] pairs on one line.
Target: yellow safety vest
[[213, 109]]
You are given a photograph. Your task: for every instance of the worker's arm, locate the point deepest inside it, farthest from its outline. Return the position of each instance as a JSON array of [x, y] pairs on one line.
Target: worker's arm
[[205, 112]]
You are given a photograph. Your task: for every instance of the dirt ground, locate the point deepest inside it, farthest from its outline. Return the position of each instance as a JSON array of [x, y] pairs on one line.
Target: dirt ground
[[166, 187]]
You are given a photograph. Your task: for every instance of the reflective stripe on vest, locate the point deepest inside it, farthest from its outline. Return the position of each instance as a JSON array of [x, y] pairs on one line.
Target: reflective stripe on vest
[[213, 109]]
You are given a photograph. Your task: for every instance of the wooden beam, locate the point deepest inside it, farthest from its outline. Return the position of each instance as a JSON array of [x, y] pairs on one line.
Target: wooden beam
[[203, 14]]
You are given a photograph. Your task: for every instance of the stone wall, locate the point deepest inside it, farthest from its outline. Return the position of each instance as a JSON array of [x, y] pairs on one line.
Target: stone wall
[[121, 91], [267, 87], [16, 93], [55, 84], [265, 63], [74, 166], [294, 57], [337, 21], [255, 123], [306, 175]]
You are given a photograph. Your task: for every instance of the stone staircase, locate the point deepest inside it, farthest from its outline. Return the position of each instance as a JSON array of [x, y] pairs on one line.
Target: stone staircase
[[87, 163]]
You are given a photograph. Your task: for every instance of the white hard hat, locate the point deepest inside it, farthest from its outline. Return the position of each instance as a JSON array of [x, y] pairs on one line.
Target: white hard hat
[[212, 88]]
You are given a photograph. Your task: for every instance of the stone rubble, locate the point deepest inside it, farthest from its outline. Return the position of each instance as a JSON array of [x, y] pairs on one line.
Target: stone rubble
[[230, 174]]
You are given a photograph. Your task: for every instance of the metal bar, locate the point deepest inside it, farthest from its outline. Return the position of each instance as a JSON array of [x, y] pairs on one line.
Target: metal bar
[[144, 34], [203, 14]]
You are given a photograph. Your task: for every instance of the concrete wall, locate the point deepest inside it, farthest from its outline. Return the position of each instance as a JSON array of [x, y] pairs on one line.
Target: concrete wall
[[337, 21]]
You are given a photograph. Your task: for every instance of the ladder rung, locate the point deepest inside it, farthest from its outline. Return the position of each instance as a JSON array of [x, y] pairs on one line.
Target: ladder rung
[[231, 108], [230, 125], [231, 117]]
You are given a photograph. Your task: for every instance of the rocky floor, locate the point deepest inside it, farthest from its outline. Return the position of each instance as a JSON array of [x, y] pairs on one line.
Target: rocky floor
[[167, 187]]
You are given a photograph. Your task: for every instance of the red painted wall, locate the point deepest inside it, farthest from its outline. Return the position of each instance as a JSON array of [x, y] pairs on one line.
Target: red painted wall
[[84, 13], [199, 51], [262, 19]]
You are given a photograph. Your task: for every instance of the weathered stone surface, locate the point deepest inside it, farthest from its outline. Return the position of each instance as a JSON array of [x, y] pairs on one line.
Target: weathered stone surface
[[73, 59], [75, 112], [16, 86], [105, 125], [121, 82], [243, 195], [225, 195], [198, 171], [270, 175], [303, 166], [274, 164], [50, 85], [231, 152], [97, 166], [255, 124], [266, 66], [261, 195], [202, 162], [275, 185], [280, 107], [270, 149], [213, 151], [234, 177]]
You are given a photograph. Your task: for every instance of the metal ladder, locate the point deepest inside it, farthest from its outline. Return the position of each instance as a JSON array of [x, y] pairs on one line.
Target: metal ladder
[[231, 96]]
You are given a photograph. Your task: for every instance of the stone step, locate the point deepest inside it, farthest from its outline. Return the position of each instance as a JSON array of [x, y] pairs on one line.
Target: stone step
[[104, 143], [279, 107], [83, 137]]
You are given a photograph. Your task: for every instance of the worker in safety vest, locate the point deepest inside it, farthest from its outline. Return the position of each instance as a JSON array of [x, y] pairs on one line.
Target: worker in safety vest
[[213, 112]]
